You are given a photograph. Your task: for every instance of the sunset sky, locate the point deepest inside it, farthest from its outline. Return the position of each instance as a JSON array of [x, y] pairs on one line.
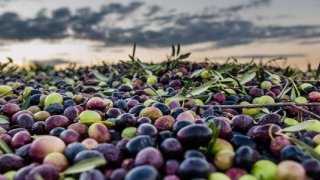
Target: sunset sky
[[88, 32]]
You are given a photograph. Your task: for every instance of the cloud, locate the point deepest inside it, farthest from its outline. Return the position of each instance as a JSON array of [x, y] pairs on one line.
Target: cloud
[[245, 6], [261, 56], [50, 62], [152, 10], [310, 42], [168, 28]]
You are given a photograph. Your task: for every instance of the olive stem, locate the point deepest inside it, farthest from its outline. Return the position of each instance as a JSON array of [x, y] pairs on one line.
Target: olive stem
[[261, 105], [306, 111], [296, 105]]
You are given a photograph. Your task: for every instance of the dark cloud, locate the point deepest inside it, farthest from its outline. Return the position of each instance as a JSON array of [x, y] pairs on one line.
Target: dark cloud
[[281, 16], [55, 26], [245, 6], [260, 56], [152, 10], [310, 42], [120, 9], [13, 27], [186, 28], [50, 62]]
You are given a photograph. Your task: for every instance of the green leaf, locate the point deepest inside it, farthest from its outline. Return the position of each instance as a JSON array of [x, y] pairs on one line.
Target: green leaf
[[178, 49], [295, 87], [108, 92], [272, 75], [109, 124], [177, 98], [225, 68], [293, 94], [26, 103], [5, 148], [215, 134], [218, 74], [99, 76], [209, 98], [134, 51], [5, 93], [301, 126], [187, 86], [85, 165], [155, 92], [318, 73], [258, 116], [184, 56], [306, 147], [265, 110], [196, 73], [284, 91], [247, 77], [234, 82], [200, 89], [97, 88], [4, 119], [173, 51], [148, 72]]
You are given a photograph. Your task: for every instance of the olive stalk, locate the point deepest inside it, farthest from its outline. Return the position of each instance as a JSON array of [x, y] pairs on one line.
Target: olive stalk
[[284, 104]]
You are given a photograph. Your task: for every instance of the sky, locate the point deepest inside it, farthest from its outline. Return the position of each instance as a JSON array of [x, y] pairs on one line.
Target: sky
[[88, 32]]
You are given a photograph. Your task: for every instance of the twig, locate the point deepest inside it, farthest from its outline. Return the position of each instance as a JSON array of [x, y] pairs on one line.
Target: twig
[[306, 111], [155, 92], [296, 105], [262, 105]]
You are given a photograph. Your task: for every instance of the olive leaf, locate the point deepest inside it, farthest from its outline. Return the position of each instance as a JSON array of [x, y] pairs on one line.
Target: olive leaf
[[218, 75], [184, 56], [196, 73], [4, 119], [187, 86], [306, 147], [4, 147], [177, 98], [293, 94], [226, 68], [295, 87], [272, 75], [200, 89], [284, 91], [301, 126], [247, 77], [215, 134], [107, 123], [99, 76], [208, 98], [97, 88], [26, 103], [173, 51], [265, 110], [317, 76], [5, 93], [108, 92], [85, 165], [148, 72]]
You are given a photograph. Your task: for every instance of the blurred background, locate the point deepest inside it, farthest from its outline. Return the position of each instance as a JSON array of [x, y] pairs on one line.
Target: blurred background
[[88, 32]]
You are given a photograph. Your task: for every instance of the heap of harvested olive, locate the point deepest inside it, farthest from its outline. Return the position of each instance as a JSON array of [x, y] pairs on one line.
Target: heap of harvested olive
[[173, 120]]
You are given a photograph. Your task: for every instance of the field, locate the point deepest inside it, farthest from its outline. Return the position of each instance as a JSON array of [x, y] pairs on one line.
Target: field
[[172, 120]]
